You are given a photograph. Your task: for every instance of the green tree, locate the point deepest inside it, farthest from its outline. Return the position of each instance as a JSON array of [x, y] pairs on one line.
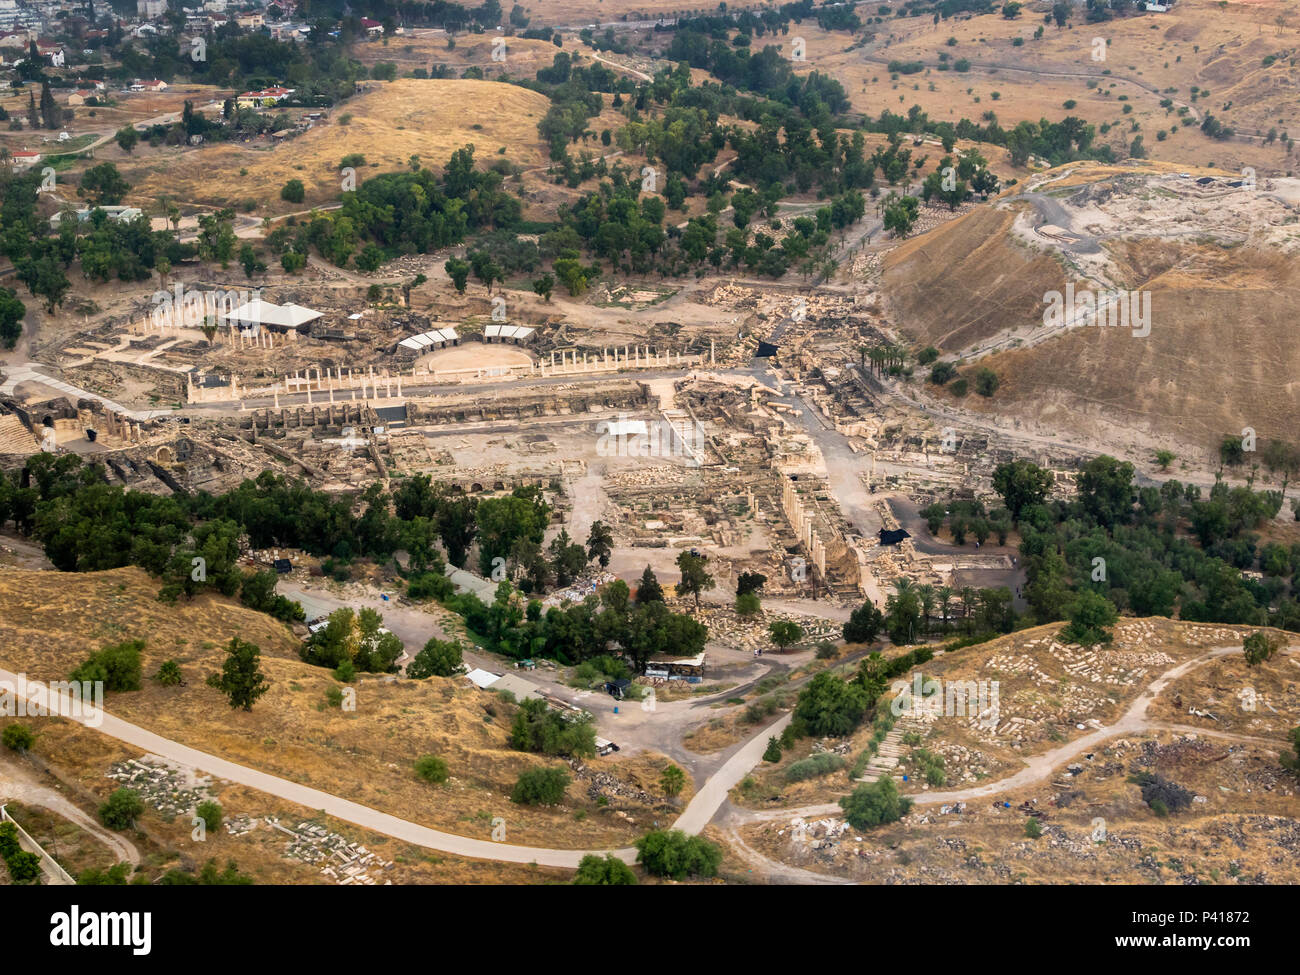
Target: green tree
[[439, 658], [544, 287], [785, 633], [648, 589], [12, 314], [241, 678], [127, 137], [672, 780], [606, 871], [169, 674], [1105, 487], [600, 543], [1259, 646], [104, 185], [773, 751], [829, 706], [1021, 483], [458, 270], [117, 666], [695, 575], [864, 623], [1090, 614], [122, 809], [293, 191]]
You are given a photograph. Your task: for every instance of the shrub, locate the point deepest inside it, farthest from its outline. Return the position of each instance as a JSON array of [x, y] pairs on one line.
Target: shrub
[[874, 804], [292, 191], [18, 737], [429, 585], [540, 787], [941, 372], [121, 809], [1033, 829], [986, 382], [822, 763], [747, 604], [431, 768], [24, 867], [210, 813], [169, 674], [606, 871], [537, 728], [672, 853], [773, 751], [826, 650], [117, 666]]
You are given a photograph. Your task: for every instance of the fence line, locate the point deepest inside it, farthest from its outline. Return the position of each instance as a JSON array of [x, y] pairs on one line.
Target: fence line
[[47, 861]]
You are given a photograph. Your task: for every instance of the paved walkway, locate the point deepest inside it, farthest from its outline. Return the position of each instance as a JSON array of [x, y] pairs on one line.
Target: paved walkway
[[698, 813], [27, 372]]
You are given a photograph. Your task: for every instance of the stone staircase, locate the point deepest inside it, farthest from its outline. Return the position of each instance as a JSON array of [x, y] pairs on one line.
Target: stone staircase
[[14, 437], [887, 756]]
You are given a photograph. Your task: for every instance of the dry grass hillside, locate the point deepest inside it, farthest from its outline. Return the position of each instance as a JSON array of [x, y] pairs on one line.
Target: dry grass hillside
[[50, 621], [1065, 724], [1223, 274], [960, 283], [1148, 58], [426, 118]]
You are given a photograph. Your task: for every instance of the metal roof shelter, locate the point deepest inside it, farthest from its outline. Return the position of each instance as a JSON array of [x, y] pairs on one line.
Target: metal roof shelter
[[508, 333], [482, 678], [435, 338]]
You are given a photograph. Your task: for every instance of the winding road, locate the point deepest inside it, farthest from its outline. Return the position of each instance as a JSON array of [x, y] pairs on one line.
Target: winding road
[[701, 810], [696, 815]]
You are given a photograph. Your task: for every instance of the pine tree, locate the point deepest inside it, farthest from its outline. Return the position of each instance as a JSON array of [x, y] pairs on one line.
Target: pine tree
[[51, 114]]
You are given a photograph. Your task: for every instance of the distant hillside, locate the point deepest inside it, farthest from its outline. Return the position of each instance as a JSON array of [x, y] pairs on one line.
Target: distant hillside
[[1224, 277]]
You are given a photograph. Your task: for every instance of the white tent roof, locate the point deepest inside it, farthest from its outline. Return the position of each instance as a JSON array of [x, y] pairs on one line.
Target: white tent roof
[[426, 339], [507, 331], [262, 312]]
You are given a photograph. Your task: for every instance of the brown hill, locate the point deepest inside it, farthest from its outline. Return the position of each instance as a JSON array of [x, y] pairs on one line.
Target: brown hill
[[50, 621], [1220, 355]]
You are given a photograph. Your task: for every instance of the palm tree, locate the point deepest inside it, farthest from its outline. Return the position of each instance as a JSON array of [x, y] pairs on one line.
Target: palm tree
[[944, 593], [926, 595], [967, 604]]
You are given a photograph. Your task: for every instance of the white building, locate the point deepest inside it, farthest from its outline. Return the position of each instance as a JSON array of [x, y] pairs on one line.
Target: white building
[[150, 9]]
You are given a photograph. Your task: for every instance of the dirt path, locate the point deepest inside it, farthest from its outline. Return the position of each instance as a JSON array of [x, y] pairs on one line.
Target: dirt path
[[1041, 767], [697, 814], [18, 784]]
